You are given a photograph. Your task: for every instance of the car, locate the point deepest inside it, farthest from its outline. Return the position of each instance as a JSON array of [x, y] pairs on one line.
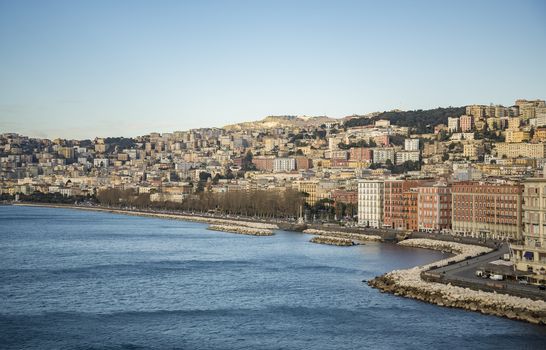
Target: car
[[542, 287], [523, 282], [496, 277]]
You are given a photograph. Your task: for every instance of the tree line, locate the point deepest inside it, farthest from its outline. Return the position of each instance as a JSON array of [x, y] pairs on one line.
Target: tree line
[[258, 203]]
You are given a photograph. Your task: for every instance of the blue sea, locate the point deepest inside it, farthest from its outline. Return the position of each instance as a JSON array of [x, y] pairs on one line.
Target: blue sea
[[72, 279]]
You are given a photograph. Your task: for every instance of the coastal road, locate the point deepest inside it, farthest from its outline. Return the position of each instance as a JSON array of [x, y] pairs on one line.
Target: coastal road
[[465, 271]]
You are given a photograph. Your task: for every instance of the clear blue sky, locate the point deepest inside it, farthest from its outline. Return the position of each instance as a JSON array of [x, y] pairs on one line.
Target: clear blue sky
[[79, 69]]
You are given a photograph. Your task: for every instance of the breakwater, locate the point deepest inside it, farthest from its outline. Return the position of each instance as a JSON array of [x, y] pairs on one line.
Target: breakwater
[[344, 235], [344, 242], [408, 283], [251, 231]]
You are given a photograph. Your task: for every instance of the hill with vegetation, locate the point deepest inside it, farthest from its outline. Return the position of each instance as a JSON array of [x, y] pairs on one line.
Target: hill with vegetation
[[420, 121]]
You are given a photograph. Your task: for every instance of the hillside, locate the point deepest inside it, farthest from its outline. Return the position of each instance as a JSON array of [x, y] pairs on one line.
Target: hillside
[[421, 121], [282, 121]]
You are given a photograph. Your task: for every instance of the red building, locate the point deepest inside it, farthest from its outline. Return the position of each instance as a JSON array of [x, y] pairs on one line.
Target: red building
[[466, 123], [410, 210], [264, 163], [493, 209], [434, 207], [303, 163], [345, 196], [361, 154], [394, 214]]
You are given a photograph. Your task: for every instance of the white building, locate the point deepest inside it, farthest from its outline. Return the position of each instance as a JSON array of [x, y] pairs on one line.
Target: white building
[[370, 203], [411, 144], [453, 124], [404, 156], [101, 162], [381, 155], [281, 165]]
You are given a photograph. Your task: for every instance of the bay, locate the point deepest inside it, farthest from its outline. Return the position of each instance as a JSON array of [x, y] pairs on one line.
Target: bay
[[72, 279]]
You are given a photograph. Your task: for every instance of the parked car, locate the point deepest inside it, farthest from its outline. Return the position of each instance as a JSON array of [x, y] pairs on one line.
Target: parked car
[[542, 287], [496, 277]]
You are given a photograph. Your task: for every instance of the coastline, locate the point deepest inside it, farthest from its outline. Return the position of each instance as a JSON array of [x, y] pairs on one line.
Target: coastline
[[409, 283], [184, 217], [406, 283]]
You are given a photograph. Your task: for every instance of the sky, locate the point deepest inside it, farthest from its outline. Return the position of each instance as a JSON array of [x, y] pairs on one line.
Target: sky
[[81, 69]]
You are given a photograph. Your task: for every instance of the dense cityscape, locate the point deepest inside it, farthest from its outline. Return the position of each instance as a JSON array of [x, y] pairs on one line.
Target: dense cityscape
[[232, 175], [474, 171]]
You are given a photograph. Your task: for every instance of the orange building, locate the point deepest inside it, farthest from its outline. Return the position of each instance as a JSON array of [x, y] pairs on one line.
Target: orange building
[[410, 210]]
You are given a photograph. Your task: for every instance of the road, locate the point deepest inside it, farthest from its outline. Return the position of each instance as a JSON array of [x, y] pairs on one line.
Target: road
[[464, 272]]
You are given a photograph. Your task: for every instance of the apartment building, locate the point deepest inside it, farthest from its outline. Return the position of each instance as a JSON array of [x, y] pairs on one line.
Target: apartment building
[[381, 155], [394, 209], [411, 145], [453, 124], [530, 255], [370, 203], [525, 150], [264, 163], [404, 156], [434, 207], [517, 136], [410, 210], [466, 123], [361, 154], [487, 210]]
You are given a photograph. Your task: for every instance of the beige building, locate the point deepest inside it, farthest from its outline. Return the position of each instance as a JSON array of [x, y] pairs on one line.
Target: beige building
[[517, 136], [525, 150], [315, 189], [473, 150], [530, 256]]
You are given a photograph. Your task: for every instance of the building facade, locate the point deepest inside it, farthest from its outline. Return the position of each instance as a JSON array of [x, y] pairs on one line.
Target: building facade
[[434, 207], [487, 210], [370, 203], [530, 255], [394, 210]]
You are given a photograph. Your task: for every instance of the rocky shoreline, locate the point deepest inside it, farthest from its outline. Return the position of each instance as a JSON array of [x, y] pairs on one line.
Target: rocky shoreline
[[408, 283], [343, 242], [251, 231]]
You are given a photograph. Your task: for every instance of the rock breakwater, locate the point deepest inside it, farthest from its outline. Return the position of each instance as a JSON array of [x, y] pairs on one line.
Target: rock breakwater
[[251, 231], [344, 242], [345, 235]]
